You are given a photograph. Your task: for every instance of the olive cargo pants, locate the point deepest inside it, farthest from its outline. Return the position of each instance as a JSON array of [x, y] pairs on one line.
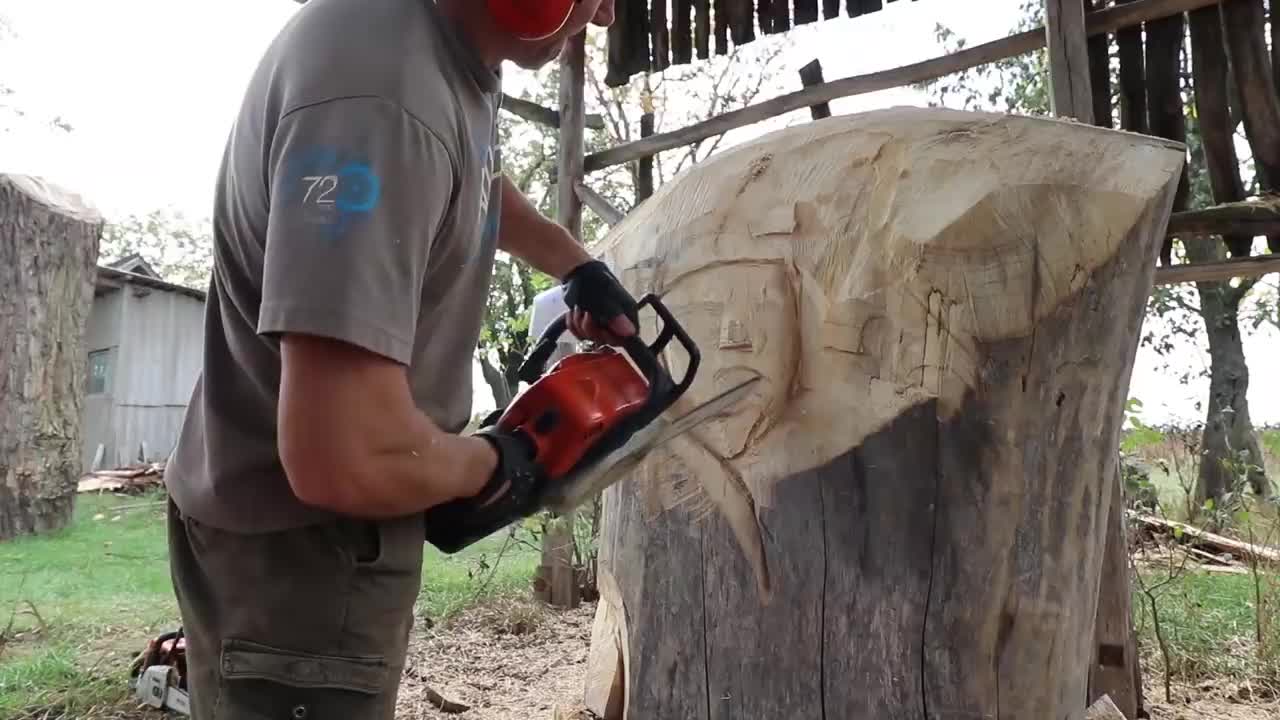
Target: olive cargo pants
[[305, 624]]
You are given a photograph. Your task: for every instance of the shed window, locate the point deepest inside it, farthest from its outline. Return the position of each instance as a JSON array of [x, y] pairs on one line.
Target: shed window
[[99, 365]]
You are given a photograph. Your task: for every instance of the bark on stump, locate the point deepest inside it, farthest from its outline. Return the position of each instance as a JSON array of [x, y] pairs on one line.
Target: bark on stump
[[48, 255], [907, 519]]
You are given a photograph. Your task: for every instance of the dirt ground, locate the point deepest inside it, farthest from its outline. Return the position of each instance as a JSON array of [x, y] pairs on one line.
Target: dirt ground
[[512, 660], [505, 660]]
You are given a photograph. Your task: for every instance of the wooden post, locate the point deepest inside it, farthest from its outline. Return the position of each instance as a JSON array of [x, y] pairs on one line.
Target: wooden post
[[1069, 93], [810, 75], [573, 115], [558, 542], [644, 183], [48, 254], [867, 535], [1115, 670]]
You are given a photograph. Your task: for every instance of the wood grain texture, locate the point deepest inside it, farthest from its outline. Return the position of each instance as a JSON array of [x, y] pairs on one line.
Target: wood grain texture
[[1069, 91], [1100, 72], [572, 131], [702, 28], [1133, 91], [1244, 28], [907, 518], [681, 31], [48, 254], [1211, 82], [1116, 673]]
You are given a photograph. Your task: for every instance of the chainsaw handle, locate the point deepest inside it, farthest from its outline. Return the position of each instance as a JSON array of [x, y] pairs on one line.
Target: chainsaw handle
[[644, 355]]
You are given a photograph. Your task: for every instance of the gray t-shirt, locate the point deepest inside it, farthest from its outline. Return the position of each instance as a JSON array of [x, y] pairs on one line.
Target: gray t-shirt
[[357, 200]]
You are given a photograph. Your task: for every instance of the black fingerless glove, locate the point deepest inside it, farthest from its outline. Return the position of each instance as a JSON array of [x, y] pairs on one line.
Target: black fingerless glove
[[593, 288], [513, 492]]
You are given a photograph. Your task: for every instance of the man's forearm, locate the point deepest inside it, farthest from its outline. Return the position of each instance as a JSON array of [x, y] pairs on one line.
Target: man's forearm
[[528, 235], [352, 441]]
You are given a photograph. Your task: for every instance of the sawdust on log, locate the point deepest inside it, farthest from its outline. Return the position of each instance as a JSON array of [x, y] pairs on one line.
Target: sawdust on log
[[505, 659]]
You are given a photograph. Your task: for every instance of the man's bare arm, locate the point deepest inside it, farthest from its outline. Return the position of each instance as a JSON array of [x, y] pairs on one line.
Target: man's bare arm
[[352, 440], [528, 235]]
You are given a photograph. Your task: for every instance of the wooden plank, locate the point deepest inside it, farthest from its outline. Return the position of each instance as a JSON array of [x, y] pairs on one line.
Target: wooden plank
[[1211, 81], [1102, 21], [599, 204], [1115, 671], [1133, 90], [1100, 72], [682, 32], [810, 75], [1255, 266], [741, 28], [722, 27], [702, 28], [780, 17], [533, 112], [1252, 217], [661, 42], [806, 12], [644, 179], [1244, 28], [764, 15], [1069, 91], [1239, 548], [830, 9]]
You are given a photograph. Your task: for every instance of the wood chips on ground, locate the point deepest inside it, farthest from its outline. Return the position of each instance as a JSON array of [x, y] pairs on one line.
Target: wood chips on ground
[[506, 659]]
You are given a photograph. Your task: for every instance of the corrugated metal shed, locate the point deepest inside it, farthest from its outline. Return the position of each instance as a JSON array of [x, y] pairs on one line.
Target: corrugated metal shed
[[650, 35]]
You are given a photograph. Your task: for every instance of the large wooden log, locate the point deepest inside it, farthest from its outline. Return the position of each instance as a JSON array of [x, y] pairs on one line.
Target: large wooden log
[[907, 519], [48, 251]]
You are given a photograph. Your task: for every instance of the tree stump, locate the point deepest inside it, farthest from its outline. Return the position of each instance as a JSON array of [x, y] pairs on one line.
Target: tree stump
[[907, 518], [48, 257]]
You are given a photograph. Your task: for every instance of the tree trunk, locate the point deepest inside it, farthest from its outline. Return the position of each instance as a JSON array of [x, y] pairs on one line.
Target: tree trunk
[[907, 518], [1228, 438], [48, 252]]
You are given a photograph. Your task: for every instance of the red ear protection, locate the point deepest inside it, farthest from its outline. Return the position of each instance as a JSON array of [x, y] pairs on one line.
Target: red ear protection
[[531, 19]]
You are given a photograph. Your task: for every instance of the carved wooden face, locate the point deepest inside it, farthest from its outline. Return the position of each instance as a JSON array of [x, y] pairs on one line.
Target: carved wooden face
[[856, 264]]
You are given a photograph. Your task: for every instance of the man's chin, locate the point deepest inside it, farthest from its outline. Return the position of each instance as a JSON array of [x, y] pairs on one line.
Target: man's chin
[[537, 58]]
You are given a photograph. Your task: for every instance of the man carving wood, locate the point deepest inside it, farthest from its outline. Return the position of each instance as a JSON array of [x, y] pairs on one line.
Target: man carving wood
[[358, 209]]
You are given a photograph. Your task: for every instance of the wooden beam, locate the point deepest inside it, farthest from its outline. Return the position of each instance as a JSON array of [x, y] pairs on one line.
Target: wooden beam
[[599, 204], [1101, 21], [533, 112], [1250, 217], [1069, 91], [810, 75], [1255, 266]]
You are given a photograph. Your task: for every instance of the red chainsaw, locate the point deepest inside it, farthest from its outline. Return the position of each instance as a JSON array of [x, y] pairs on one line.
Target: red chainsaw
[[589, 419]]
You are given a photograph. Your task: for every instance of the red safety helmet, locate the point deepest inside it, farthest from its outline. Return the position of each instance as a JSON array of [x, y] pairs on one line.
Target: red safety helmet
[[532, 19]]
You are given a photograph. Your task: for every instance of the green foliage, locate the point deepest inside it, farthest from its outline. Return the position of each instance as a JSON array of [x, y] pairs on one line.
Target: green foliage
[[178, 248], [1018, 84]]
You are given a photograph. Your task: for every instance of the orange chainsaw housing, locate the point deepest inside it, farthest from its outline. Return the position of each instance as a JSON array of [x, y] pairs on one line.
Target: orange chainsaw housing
[[567, 410], [531, 19]]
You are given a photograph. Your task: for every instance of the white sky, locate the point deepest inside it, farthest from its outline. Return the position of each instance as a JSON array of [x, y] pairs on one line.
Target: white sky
[[151, 87]]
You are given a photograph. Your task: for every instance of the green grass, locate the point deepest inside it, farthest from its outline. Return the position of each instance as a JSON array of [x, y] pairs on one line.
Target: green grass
[[79, 603], [1209, 625]]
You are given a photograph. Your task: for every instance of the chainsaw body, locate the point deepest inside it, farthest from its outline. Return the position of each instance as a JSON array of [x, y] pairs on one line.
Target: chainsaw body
[[571, 407], [575, 415]]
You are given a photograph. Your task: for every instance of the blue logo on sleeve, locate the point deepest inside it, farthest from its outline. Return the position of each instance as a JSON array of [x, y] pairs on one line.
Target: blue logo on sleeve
[[331, 190]]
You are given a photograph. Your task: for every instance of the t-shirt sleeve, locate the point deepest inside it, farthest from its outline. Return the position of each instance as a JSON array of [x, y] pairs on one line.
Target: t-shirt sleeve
[[359, 190]]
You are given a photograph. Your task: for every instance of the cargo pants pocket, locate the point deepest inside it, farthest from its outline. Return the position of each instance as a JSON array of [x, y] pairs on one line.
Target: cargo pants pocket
[[260, 682]]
